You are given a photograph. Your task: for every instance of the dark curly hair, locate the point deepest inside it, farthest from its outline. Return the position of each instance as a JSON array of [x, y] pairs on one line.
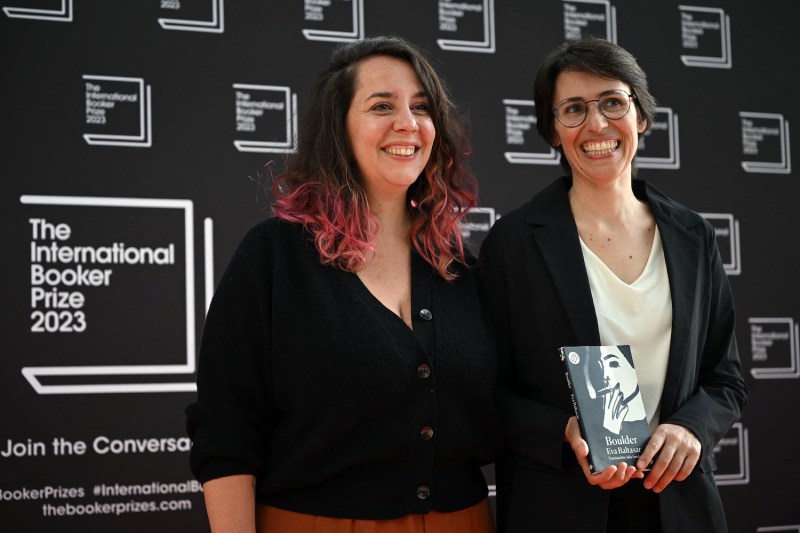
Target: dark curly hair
[[321, 187]]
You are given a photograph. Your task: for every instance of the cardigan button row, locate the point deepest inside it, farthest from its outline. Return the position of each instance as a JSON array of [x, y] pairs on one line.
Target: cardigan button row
[[425, 433]]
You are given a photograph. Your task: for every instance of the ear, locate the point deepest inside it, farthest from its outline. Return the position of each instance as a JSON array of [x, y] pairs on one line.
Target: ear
[[641, 126], [557, 140]]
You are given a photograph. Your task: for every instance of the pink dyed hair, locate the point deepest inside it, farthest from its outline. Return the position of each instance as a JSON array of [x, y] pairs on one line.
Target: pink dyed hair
[[321, 190]]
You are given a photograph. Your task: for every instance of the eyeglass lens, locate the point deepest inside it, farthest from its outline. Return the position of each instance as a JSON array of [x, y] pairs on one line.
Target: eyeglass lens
[[614, 105]]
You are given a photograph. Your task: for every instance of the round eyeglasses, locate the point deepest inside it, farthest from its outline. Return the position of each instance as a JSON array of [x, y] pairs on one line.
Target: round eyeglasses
[[612, 104]]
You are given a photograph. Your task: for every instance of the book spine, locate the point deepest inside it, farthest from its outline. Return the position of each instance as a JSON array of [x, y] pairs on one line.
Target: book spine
[[569, 386], [575, 407]]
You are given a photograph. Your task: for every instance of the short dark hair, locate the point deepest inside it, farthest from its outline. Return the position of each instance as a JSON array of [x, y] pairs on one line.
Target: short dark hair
[[594, 56]]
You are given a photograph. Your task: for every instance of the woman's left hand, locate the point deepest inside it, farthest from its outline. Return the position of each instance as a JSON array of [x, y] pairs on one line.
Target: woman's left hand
[[676, 451]]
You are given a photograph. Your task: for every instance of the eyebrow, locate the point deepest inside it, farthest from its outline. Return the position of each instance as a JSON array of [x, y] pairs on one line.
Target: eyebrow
[[384, 94], [607, 356], [602, 94]]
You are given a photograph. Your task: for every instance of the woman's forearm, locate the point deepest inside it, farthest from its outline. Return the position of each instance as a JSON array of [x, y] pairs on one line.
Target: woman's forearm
[[231, 504]]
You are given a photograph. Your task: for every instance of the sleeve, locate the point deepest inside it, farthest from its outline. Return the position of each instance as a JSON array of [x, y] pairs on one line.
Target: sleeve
[[721, 392], [230, 423], [533, 431]]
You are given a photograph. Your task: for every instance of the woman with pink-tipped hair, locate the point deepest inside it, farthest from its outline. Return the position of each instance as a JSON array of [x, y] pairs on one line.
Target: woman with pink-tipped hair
[[346, 373]]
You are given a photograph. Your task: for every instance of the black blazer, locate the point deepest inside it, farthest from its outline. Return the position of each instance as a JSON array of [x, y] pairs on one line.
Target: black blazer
[[535, 283]]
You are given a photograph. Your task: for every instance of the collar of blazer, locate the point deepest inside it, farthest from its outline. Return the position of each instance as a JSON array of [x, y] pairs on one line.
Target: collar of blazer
[[682, 238]]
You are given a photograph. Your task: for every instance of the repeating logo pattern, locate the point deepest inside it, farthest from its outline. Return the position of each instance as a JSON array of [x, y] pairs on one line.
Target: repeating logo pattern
[[597, 18], [732, 454], [727, 233], [765, 136], [707, 32], [202, 83], [121, 104], [521, 133], [321, 12], [476, 226], [774, 345], [660, 146], [215, 25], [268, 108], [61, 14], [454, 15]]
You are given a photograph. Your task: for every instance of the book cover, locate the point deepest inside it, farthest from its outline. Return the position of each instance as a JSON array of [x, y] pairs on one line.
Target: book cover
[[607, 402]]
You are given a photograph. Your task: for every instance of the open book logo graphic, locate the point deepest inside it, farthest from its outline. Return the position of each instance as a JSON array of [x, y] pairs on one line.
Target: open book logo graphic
[[660, 146], [698, 28], [266, 107], [766, 135], [61, 14], [124, 377], [520, 118], [215, 25], [451, 14], [732, 454], [107, 96], [590, 17], [355, 33], [775, 348], [726, 229]]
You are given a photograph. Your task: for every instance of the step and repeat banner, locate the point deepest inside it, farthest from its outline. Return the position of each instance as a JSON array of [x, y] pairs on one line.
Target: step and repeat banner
[[138, 143]]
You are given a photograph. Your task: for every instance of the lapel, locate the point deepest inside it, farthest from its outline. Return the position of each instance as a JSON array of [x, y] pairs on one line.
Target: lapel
[[557, 237], [682, 244]]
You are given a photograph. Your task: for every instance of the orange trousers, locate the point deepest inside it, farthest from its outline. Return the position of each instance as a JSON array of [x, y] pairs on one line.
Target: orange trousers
[[475, 519]]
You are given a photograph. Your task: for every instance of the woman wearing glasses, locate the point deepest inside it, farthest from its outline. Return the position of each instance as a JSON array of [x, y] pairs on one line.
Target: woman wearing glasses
[[598, 258]]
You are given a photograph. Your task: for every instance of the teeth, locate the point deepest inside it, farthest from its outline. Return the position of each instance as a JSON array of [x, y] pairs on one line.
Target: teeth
[[600, 148], [400, 150]]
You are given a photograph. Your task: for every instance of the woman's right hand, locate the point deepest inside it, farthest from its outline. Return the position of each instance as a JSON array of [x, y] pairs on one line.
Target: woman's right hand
[[610, 478]]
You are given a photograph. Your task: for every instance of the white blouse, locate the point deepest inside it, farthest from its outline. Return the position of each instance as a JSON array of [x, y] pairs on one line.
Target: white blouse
[[638, 314]]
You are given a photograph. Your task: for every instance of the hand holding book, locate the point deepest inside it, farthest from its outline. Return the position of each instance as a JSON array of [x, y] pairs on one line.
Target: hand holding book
[[673, 451], [613, 476]]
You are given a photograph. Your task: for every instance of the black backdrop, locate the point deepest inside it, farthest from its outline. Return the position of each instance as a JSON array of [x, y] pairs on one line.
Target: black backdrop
[[136, 141]]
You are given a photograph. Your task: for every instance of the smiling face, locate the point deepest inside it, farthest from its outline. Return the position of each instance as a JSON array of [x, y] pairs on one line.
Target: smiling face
[[389, 126], [600, 149]]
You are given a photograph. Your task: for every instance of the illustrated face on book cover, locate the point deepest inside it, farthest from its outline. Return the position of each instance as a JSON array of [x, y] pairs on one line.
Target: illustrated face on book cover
[[618, 371], [612, 377]]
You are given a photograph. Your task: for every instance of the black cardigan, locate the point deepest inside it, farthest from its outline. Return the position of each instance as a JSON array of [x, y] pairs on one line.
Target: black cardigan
[[309, 383]]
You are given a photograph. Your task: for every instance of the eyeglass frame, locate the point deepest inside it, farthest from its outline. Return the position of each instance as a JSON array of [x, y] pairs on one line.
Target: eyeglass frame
[[631, 97]]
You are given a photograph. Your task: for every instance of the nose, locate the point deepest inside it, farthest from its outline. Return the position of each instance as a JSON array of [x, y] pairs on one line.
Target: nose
[[596, 120], [405, 122]]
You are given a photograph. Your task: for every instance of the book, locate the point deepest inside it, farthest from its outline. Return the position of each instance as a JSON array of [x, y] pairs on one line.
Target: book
[[608, 403]]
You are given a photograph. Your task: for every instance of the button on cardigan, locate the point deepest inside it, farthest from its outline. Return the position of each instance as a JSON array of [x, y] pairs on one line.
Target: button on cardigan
[[338, 408]]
